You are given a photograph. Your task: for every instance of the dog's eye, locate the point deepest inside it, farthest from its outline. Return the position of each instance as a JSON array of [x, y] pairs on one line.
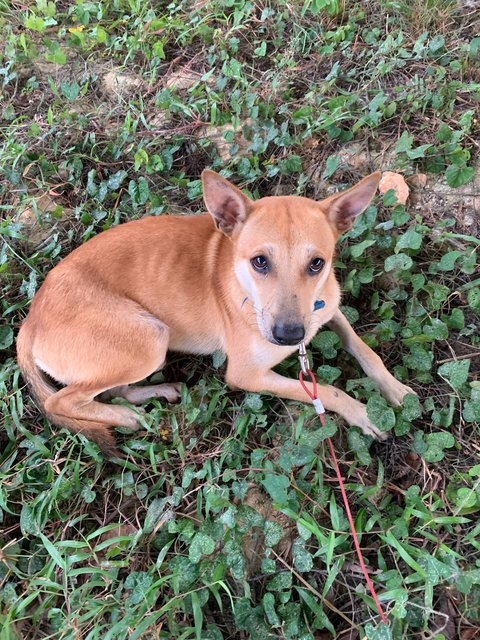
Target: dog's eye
[[260, 263], [316, 265]]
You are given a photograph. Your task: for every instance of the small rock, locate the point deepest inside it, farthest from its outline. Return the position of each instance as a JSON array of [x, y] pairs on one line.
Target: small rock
[[468, 220], [391, 180], [418, 180]]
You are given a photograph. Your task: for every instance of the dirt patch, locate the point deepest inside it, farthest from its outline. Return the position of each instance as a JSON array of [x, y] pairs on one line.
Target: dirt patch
[[228, 141], [253, 542], [39, 219], [182, 79], [430, 195], [75, 69], [120, 84], [437, 200]]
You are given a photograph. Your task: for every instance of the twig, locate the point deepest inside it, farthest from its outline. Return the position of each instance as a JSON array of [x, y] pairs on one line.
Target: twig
[[463, 357]]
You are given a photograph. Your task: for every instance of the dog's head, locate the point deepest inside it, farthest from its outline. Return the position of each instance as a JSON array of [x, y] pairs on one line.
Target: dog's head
[[284, 250]]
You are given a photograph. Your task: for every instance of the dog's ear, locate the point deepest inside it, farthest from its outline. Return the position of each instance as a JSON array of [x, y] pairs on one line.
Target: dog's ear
[[228, 206], [342, 208]]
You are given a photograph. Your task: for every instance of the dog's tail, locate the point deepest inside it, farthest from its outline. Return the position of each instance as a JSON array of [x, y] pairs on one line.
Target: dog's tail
[[42, 388]]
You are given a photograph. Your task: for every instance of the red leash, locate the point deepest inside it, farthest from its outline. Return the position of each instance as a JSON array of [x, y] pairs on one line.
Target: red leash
[[317, 403]]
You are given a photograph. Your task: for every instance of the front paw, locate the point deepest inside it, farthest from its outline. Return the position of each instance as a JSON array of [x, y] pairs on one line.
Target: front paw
[[358, 417], [366, 425], [394, 392]]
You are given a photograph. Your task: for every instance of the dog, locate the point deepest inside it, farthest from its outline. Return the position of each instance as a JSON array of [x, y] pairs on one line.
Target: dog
[[251, 278]]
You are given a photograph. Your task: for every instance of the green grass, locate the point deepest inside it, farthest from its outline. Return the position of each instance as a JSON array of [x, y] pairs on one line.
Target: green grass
[[225, 520]]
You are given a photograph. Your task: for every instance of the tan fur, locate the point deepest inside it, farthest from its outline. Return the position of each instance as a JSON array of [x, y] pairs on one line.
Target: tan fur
[[107, 314]]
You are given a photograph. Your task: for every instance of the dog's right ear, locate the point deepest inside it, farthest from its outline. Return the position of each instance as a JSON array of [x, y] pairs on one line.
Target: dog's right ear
[[228, 206], [342, 208]]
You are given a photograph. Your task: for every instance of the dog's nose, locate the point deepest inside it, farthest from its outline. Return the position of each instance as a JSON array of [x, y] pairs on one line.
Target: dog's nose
[[286, 333]]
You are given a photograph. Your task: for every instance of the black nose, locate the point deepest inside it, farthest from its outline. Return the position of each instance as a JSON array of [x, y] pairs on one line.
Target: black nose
[[288, 333]]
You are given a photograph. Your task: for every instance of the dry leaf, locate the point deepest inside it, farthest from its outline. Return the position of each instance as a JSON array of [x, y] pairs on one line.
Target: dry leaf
[[391, 180]]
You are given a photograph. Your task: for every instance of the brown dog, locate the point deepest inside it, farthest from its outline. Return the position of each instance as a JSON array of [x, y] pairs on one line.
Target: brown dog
[[254, 281]]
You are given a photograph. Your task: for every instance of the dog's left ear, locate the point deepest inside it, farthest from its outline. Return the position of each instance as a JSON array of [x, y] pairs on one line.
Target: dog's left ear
[[228, 206], [342, 208]]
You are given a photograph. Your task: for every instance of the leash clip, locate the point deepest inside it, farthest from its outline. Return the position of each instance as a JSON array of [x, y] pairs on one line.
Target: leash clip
[[303, 358]]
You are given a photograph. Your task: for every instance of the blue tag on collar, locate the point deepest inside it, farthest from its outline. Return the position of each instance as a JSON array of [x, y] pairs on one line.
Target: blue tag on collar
[[319, 304]]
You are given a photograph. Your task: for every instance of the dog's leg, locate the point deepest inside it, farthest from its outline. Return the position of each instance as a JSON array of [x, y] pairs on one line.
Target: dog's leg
[[77, 403], [139, 395], [353, 411], [393, 390], [111, 356]]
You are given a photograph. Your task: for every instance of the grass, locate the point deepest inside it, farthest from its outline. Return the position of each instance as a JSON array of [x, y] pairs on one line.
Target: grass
[[225, 520]]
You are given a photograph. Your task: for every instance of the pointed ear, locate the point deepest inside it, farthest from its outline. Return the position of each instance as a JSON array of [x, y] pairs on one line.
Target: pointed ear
[[228, 206], [342, 208]]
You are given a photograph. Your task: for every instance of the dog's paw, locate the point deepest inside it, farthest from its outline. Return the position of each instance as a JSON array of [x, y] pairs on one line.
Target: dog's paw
[[139, 395], [128, 418], [171, 392], [394, 392], [360, 419], [355, 413], [369, 429]]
